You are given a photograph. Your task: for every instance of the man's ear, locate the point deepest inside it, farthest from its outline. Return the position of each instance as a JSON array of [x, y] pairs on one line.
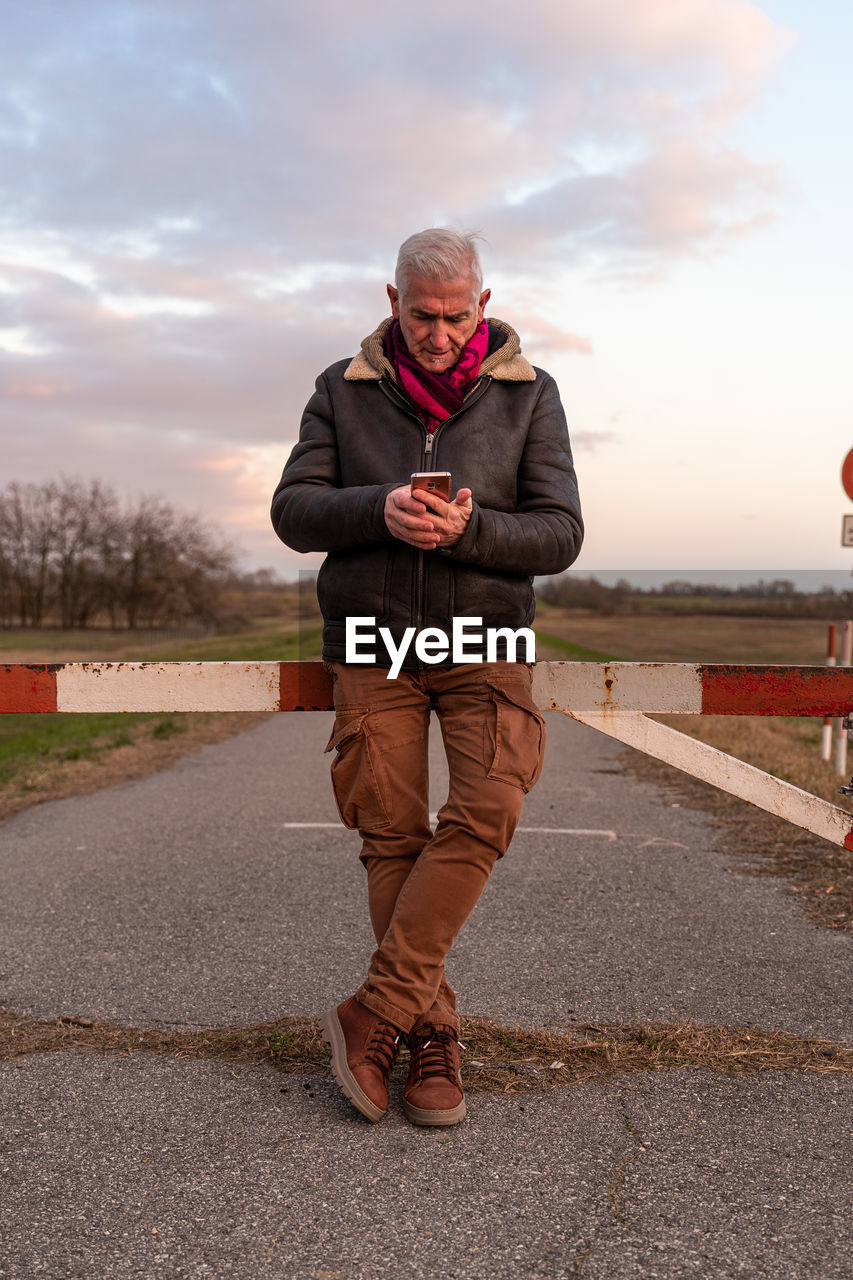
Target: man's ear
[[394, 299], [481, 303]]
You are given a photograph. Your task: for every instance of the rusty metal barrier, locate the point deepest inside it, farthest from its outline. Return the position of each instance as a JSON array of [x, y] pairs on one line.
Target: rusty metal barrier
[[615, 698]]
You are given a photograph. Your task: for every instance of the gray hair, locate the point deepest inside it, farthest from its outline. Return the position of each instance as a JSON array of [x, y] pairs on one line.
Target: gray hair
[[440, 254]]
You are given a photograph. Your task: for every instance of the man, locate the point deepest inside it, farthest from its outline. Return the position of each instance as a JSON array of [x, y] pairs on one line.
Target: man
[[434, 387]]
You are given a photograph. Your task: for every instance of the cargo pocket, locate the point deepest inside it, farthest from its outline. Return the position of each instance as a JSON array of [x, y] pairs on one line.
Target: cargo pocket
[[357, 779], [515, 739]]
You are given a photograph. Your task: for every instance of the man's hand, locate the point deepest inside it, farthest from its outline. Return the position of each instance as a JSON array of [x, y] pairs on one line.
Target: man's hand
[[408, 519], [449, 518], [424, 519]]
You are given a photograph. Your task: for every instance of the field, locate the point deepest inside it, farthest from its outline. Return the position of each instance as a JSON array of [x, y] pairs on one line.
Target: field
[[45, 757], [676, 637], [560, 634]]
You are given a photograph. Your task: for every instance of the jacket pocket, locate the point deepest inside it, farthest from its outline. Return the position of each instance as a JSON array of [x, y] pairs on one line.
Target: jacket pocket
[[515, 738], [358, 781]]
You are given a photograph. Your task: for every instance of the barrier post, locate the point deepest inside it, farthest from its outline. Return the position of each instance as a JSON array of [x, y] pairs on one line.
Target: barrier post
[[841, 732], [826, 736]]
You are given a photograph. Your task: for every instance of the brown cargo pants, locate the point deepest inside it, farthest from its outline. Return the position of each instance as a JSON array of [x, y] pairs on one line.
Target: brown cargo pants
[[423, 884]]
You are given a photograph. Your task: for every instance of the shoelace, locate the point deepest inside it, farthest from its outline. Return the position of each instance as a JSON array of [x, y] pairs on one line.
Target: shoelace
[[383, 1045], [432, 1054]]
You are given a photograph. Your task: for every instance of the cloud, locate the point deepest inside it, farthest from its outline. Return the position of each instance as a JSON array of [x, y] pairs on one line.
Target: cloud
[[540, 335], [590, 441], [200, 204], [259, 126], [678, 202], [236, 372]]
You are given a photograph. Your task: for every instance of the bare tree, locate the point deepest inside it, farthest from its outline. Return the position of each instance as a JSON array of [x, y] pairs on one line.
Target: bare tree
[[176, 566], [68, 551], [27, 539], [7, 592], [87, 536]]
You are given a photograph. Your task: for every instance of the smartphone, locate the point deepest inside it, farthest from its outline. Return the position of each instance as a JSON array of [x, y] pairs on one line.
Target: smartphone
[[433, 481]]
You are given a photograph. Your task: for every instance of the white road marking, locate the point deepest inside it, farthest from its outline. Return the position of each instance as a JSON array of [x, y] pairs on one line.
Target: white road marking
[[550, 831], [565, 831], [327, 825]]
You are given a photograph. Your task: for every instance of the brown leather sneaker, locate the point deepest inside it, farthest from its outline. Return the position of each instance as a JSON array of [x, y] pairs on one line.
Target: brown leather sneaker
[[433, 1093], [364, 1050]]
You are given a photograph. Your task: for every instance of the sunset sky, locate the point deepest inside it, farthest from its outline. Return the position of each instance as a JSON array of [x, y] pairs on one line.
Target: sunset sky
[[201, 202]]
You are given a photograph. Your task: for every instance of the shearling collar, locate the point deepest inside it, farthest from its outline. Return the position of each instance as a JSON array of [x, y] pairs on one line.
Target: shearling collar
[[507, 364]]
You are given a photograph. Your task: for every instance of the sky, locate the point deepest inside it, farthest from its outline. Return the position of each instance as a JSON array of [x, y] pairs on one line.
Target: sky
[[201, 203]]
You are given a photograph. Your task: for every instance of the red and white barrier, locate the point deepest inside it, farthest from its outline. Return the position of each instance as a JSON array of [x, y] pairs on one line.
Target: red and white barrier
[[166, 686], [615, 698], [709, 689]]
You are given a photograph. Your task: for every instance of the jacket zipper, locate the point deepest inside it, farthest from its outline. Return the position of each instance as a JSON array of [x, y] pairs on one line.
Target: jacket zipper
[[420, 563], [393, 394], [427, 456]]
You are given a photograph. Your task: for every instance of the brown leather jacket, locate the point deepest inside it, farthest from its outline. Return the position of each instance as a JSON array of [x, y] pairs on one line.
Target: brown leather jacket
[[361, 437]]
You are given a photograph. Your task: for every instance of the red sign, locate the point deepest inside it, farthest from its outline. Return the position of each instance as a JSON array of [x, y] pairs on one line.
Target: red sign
[[847, 475]]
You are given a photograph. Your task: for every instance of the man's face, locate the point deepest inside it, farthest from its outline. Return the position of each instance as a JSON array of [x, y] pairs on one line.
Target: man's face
[[437, 317]]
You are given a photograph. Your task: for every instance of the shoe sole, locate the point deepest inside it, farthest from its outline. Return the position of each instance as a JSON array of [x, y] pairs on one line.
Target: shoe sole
[[418, 1115], [333, 1034]]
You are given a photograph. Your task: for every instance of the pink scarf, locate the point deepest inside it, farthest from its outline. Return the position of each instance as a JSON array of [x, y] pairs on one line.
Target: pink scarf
[[437, 396]]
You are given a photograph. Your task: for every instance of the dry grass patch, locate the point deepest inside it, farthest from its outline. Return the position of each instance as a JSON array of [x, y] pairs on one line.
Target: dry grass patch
[[515, 1060], [689, 637], [496, 1058]]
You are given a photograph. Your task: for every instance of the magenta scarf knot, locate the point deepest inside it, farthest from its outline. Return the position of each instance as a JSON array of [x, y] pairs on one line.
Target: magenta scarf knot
[[437, 396]]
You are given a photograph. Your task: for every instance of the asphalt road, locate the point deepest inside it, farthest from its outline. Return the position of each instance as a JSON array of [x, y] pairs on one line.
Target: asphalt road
[[198, 898]]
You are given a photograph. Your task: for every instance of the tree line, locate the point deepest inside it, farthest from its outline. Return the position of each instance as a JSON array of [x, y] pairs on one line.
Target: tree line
[[72, 554], [776, 598]]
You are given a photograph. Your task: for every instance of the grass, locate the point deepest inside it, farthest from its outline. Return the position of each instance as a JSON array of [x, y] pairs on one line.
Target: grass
[[90, 645], [495, 1058], [268, 642], [264, 640], [676, 638], [168, 728], [27, 740], [552, 648]]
